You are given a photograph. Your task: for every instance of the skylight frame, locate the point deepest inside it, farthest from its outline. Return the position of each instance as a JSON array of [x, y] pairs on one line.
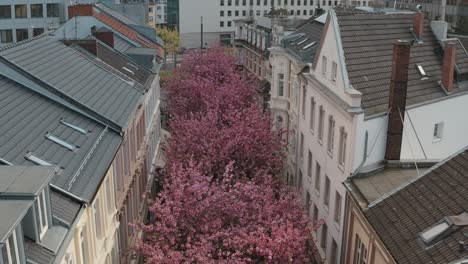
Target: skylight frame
[[74, 127], [422, 72], [128, 70], [60, 142], [309, 45], [433, 233], [297, 38], [35, 159], [302, 41], [5, 162]]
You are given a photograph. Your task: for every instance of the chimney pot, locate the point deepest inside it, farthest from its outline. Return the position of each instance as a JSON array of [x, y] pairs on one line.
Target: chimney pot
[[448, 66], [418, 25], [397, 98]]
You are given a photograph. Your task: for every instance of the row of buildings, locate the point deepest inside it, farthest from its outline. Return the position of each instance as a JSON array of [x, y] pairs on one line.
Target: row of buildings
[[79, 140], [375, 102]]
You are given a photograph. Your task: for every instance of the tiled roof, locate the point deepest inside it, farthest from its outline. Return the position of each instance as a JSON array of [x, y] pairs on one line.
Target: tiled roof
[[311, 31], [401, 217], [27, 117], [63, 207], [129, 32], [367, 41], [77, 77], [37, 253]]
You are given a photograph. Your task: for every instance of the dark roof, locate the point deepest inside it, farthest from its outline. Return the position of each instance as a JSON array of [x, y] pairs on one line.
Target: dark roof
[[148, 32], [402, 216], [12, 211], [37, 253], [77, 77], [367, 42], [122, 44], [64, 207], [310, 31], [22, 180], [26, 118]]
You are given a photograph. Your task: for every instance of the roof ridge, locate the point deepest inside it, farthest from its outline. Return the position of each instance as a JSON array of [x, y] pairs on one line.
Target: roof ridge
[[410, 182]]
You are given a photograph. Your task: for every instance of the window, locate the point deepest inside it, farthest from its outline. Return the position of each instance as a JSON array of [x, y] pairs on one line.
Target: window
[[35, 159], [315, 215], [37, 31], [334, 252], [331, 135], [221, 23], [221, 13], [299, 182], [21, 11], [308, 203], [311, 12], [309, 164], [41, 208], [244, 13], [229, 23], [298, 12], [5, 12], [84, 245], [321, 121], [304, 12], [304, 94], [110, 204], [323, 240], [334, 71], [342, 154], [326, 197], [312, 114], [337, 208], [60, 142], [244, 2], [317, 178], [280, 84], [229, 13], [75, 127], [324, 65], [10, 252], [222, 3], [236, 13], [52, 10], [437, 136], [258, 12], [237, 2], [6, 36], [360, 252], [21, 34], [36, 10], [229, 2], [97, 217], [301, 150]]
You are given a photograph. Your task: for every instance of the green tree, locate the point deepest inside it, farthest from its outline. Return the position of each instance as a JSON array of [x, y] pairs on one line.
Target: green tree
[[171, 41]]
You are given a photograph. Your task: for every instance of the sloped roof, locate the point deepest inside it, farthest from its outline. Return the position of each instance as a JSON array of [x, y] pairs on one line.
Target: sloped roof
[[304, 37], [400, 218], [367, 41], [27, 117], [148, 32], [129, 32], [77, 77], [116, 14]]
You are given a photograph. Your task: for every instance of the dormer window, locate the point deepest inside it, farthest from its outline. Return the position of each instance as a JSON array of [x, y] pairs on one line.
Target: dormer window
[[422, 72], [42, 213], [10, 251]]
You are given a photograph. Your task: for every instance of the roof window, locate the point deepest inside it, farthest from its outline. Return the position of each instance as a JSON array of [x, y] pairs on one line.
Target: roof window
[[296, 38], [61, 142], [77, 128], [302, 41], [309, 45], [434, 232], [128, 70], [33, 158], [5, 162], [422, 72], [443, 228]]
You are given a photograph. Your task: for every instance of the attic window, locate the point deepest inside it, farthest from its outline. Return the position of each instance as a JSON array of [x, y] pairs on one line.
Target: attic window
[[434, 232], [77, 128], [59, 141], [128, 70], [4, 162], [302, 41], [309, 45], [422, 72], [33, 158]]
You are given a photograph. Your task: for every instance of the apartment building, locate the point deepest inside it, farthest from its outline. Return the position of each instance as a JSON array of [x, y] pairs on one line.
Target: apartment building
[[158, 10], [219, 15], [335, 99]]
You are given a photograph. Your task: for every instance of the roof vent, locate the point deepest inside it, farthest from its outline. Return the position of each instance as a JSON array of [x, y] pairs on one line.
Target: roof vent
[[434, 232], [422, 72]]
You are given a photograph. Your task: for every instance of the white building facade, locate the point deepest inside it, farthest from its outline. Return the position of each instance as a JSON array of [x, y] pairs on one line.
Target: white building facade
[[334, 133]]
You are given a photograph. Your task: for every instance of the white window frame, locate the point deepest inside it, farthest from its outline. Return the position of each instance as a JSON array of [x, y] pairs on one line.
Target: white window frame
[[7, 246], [342, 154], [331, 135], [98, 218], [280, 85], [318, 172], [42, 213]]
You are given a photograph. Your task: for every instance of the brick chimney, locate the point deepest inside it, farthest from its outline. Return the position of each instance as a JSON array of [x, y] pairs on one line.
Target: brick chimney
[[80, 10], [448, 66], [418, 25], [106, 37], [397, 98]]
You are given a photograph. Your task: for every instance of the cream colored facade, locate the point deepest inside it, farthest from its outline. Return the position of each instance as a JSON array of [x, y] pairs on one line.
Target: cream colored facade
[[95, 234], [363, 246]]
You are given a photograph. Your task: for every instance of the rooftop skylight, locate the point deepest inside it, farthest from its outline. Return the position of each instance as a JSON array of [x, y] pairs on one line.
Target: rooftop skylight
[[59, 141], [128, 70], [302, 41], [434, 232], [309, 45], [33, 158], [422, 72], [4, 162], [77, 128], [296, 38]]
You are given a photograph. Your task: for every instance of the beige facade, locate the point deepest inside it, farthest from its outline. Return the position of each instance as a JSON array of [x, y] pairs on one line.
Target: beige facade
[[363, 246]]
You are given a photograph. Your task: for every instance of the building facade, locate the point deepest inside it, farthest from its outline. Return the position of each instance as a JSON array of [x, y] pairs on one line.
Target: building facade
[[335, 102]]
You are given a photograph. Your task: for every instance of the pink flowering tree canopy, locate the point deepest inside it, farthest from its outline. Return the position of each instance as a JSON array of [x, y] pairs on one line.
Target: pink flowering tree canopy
[[222, 200]]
